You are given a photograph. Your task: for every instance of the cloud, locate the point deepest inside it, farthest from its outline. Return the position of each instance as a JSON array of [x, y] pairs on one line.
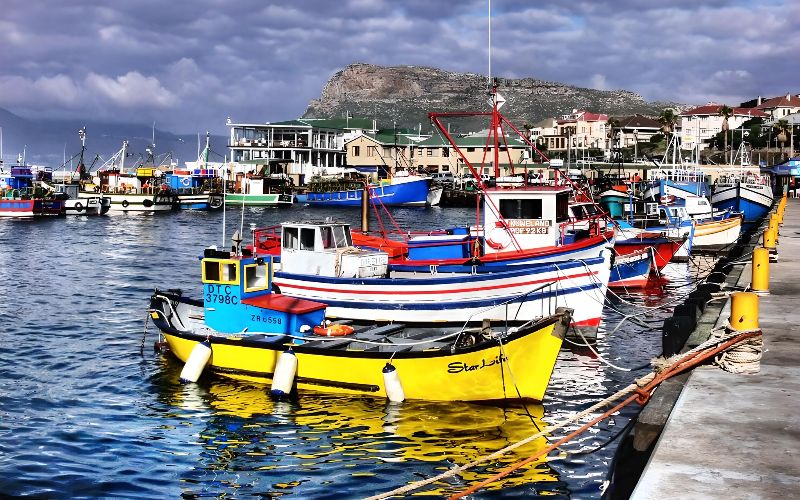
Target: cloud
[[190, 65]]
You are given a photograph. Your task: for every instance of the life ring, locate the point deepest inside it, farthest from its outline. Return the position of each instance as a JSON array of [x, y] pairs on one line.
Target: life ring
[[498, 238], [333, 330], [79, 206], [125, 203], [185, 181]]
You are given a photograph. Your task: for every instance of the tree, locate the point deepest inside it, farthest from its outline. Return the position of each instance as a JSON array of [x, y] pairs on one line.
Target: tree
[[668, 119], [782, 128], [725, 112], [611, 126]]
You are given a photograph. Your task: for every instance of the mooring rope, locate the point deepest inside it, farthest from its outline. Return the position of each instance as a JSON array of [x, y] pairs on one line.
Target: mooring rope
[[642, 387]]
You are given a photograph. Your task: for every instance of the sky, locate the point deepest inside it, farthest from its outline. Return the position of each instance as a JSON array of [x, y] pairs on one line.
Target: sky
[[189, 65]]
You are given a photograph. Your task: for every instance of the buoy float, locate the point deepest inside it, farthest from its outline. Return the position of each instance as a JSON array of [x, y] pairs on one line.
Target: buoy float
[[333, 330], [285, 370], [391, 382], [760, 278], [197, 362]]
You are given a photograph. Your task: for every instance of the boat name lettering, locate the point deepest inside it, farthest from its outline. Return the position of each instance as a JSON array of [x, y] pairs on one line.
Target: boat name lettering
[[528, 226], [220, 294], [460, 366], [256, 318]]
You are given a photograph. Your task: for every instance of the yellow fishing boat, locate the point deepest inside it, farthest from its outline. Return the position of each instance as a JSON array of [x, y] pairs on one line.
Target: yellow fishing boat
[[240, 329]]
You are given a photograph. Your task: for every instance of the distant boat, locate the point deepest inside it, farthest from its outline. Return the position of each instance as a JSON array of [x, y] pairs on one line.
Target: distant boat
[[22, 198], [142, 190], [269, 186], [400, 190], [743, 191]]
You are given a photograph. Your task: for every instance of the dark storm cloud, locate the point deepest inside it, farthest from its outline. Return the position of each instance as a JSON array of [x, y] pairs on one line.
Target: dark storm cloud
[[189, 65]]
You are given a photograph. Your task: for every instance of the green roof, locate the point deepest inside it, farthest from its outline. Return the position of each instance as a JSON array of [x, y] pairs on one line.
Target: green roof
[[339, 123]]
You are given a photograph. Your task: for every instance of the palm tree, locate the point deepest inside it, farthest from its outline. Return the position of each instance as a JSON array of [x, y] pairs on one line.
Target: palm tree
[[725, 112], [667, 119], [782, 127]]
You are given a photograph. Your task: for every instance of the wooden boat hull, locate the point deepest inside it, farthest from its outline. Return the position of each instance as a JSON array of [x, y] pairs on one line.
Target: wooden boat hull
[[483, 372], [716, 235]]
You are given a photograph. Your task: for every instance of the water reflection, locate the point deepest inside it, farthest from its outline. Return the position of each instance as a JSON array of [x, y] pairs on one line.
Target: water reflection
[[257, 445]]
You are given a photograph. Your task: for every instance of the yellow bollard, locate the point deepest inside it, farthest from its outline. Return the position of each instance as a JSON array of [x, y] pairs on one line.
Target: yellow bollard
[[769, 240], [744, 311], [773, 224], [760, 279]]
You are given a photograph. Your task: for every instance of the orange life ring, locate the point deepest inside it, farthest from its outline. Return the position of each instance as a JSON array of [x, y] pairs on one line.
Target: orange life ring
[[333, 330]]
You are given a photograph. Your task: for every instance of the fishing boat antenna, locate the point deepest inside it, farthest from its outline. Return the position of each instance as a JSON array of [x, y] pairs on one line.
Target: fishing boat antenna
[[224, 195], [489, 82]]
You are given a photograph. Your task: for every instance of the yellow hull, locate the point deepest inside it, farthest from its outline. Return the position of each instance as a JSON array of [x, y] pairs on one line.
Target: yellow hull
[[436, 375]]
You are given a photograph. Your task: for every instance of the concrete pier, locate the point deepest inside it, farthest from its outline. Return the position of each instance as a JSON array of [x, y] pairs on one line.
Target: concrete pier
[[738, 436]]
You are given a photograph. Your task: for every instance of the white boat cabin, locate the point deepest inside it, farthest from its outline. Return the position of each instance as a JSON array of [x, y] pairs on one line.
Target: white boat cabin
[[531, 217], [326, 249]]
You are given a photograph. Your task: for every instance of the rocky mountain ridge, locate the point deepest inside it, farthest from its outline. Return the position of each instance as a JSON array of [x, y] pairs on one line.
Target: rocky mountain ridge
[[403, 96]]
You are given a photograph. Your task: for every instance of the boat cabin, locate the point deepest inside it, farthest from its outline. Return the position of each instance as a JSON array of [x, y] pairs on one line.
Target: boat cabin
[[326, 249], [237, 297], [531, 217]]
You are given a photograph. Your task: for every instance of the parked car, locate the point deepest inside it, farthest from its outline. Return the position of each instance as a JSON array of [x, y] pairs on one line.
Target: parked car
[[444, 178]]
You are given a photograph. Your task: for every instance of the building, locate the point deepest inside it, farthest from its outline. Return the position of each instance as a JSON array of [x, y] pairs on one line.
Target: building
[[700, 124], [636, 129], [436, 154], [382, 153], [579, 130], [779, 107], [308, 143]]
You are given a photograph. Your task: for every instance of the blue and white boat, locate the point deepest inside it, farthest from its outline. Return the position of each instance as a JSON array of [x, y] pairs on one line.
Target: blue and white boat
[[195, 188], [632, 270], [676, 183], [409, 190], [745, 192]]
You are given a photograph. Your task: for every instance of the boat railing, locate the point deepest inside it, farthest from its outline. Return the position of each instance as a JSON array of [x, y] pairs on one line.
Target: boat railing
[[549, 302]]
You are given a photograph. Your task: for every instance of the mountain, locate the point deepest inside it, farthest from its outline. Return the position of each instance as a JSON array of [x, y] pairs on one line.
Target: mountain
[[46, 142], [404, 95]]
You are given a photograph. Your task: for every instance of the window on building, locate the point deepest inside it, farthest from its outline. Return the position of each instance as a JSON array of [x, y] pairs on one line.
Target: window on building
[[356, 150], [430, 151], [445, 168], [372, 151], [446, 152], [470, 150]]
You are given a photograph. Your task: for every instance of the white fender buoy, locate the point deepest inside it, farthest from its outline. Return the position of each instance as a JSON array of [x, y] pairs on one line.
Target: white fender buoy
[[391, 382], [197, 362], [285, 370]]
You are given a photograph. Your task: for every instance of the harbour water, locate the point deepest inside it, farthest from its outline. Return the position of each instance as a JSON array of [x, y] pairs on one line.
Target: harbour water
[[88, 408]]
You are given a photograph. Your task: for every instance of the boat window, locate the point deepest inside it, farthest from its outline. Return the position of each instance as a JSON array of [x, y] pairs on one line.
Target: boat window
[[211, 270], [229, 272], [521, 209], [327, 237], [290, 237], [578, 212], [562, 207], [341, 237], [307, 238], [255, 277]]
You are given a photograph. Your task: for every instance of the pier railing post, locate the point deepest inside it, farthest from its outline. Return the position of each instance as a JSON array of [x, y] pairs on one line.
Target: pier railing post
[[760, 279]]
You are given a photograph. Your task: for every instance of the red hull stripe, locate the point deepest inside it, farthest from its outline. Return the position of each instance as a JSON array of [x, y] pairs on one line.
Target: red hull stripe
[[431, 292]]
